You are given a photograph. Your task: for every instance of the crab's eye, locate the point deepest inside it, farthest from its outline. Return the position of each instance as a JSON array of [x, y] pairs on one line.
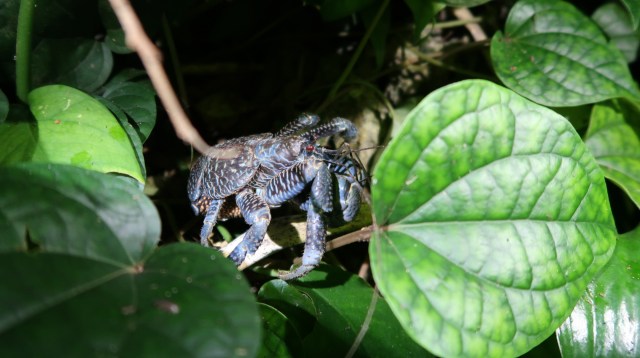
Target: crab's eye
[[309, 148]]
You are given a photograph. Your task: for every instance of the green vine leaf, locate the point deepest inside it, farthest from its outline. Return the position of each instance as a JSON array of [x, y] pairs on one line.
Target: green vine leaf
[[492, 218], [554, 55], [76, 211], [71, 128], [183, 300], [606, 321], [616, 23], [80, 63], [336, 298], [614, 143]]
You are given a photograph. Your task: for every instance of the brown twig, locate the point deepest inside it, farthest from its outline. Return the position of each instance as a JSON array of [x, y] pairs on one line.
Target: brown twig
[[138, 41]]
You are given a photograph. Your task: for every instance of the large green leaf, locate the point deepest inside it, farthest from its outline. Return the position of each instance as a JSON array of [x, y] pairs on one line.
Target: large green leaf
[[340, 302], [554, 55], [77, 62], [76, 211], [606, 321], [71, 128], [182, 301], [492, 217], [616, 23], [614, 143]]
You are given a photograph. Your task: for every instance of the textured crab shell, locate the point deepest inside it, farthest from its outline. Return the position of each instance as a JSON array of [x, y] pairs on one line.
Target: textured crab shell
[[225, 168]]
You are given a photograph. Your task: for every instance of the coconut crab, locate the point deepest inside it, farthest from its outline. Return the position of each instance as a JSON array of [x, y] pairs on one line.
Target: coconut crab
[[263, 171]]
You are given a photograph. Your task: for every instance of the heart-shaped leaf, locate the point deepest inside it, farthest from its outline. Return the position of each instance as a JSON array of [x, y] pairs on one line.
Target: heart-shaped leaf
[[71, 128], [616, 146], [183, 300], [606, 321], [492, 217], [555, 55], [78, 62], [616, 23], [339, 299], [75, 211]]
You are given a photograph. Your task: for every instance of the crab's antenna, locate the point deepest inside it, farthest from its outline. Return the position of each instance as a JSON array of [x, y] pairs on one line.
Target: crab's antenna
[[303, 121], [336, 126]]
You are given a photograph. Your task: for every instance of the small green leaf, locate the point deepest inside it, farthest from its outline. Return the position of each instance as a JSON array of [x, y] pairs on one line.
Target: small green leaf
[[342, 301], [137, 100], [616, 23], [74, 128], [633, 6], [182, 301], [80, 63], [554, 55], [616, 146], [606, 321], [279, 338], [492, 219], [76, 211]]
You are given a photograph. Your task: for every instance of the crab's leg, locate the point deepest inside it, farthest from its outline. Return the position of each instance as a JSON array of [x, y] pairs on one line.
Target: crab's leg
[[303, 121], [210, 218], [336, 126], [256, 213], [350, 194], [320, 200]]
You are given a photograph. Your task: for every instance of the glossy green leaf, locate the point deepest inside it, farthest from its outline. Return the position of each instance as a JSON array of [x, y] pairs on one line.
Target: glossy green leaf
[[132, 133], [633, 6], [182, 301], [616, 23], [616, 146], [341, 302], [492, 219], [554, 55], [74, 128], [136, 99], [606, 321], [293, 303], [4, 106], [76, 211], [78, 62], [279, 338]]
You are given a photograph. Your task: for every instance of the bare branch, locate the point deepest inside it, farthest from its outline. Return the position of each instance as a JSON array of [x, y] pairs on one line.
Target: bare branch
[[138, 41]]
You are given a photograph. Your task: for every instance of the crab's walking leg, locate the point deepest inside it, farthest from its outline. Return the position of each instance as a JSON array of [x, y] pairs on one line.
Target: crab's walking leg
[[336, 126], [210, 218], [256, 213], [303, 121], [320, 200]]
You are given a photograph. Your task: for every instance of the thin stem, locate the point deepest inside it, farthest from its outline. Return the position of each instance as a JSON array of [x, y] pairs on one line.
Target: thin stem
[[23, 49], [358, 51], [363, 234], [150, 56]]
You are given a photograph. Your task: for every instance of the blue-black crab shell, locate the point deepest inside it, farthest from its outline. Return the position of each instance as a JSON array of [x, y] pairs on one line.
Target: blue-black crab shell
[[225, 168]]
